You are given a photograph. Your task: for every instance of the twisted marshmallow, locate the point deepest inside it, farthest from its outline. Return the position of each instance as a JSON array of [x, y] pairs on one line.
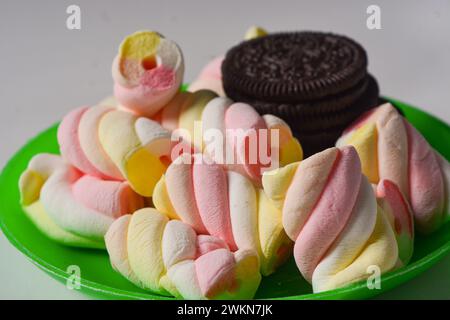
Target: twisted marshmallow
[[329, 209], [115, 145], [69, 207], [147, 72], [236, 123], [390, 148], [224, 204], [169, 258]]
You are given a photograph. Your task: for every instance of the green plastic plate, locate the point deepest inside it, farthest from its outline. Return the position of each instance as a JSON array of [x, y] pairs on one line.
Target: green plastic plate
[[98, 278]]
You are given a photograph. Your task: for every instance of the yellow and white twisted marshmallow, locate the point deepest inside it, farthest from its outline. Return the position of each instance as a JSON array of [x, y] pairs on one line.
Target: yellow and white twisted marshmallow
[[330, 210], [168, 257]]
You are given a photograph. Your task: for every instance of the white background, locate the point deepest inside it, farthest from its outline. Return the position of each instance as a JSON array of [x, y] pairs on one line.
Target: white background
[[46, 70]]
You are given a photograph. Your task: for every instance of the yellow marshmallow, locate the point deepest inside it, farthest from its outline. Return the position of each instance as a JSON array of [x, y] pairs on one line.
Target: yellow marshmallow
[[168, 285], [30, 185], [143, 171], [380, 250], [276, 183], [290, 152], [145, 232], [116, 245], [140, 167], [271, 234], [140, 45], [247, 280], [365, 140], [255, 32], [37, 214], [190, 113], [32, 180], [161, 200]]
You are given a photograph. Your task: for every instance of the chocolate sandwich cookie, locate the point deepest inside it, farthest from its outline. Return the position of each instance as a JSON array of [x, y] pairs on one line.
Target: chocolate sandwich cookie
[[336, 110], [317, 82], [298, 66]]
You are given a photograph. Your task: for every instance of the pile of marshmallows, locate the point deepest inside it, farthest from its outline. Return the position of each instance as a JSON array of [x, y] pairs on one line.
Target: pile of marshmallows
[[139, 176]]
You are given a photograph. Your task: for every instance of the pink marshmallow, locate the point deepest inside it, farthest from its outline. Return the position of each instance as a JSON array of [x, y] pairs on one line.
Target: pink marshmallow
[[215, 272], [69, 143], [213, 69], [242, 117], [426, 185], [211, 194], [180, 187], [155, 89], [112, 198], [210, 77], [390, 192], [207, 243]]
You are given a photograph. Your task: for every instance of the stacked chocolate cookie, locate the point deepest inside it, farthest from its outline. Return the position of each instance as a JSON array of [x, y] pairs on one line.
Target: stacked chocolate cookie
[[317, 82]]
